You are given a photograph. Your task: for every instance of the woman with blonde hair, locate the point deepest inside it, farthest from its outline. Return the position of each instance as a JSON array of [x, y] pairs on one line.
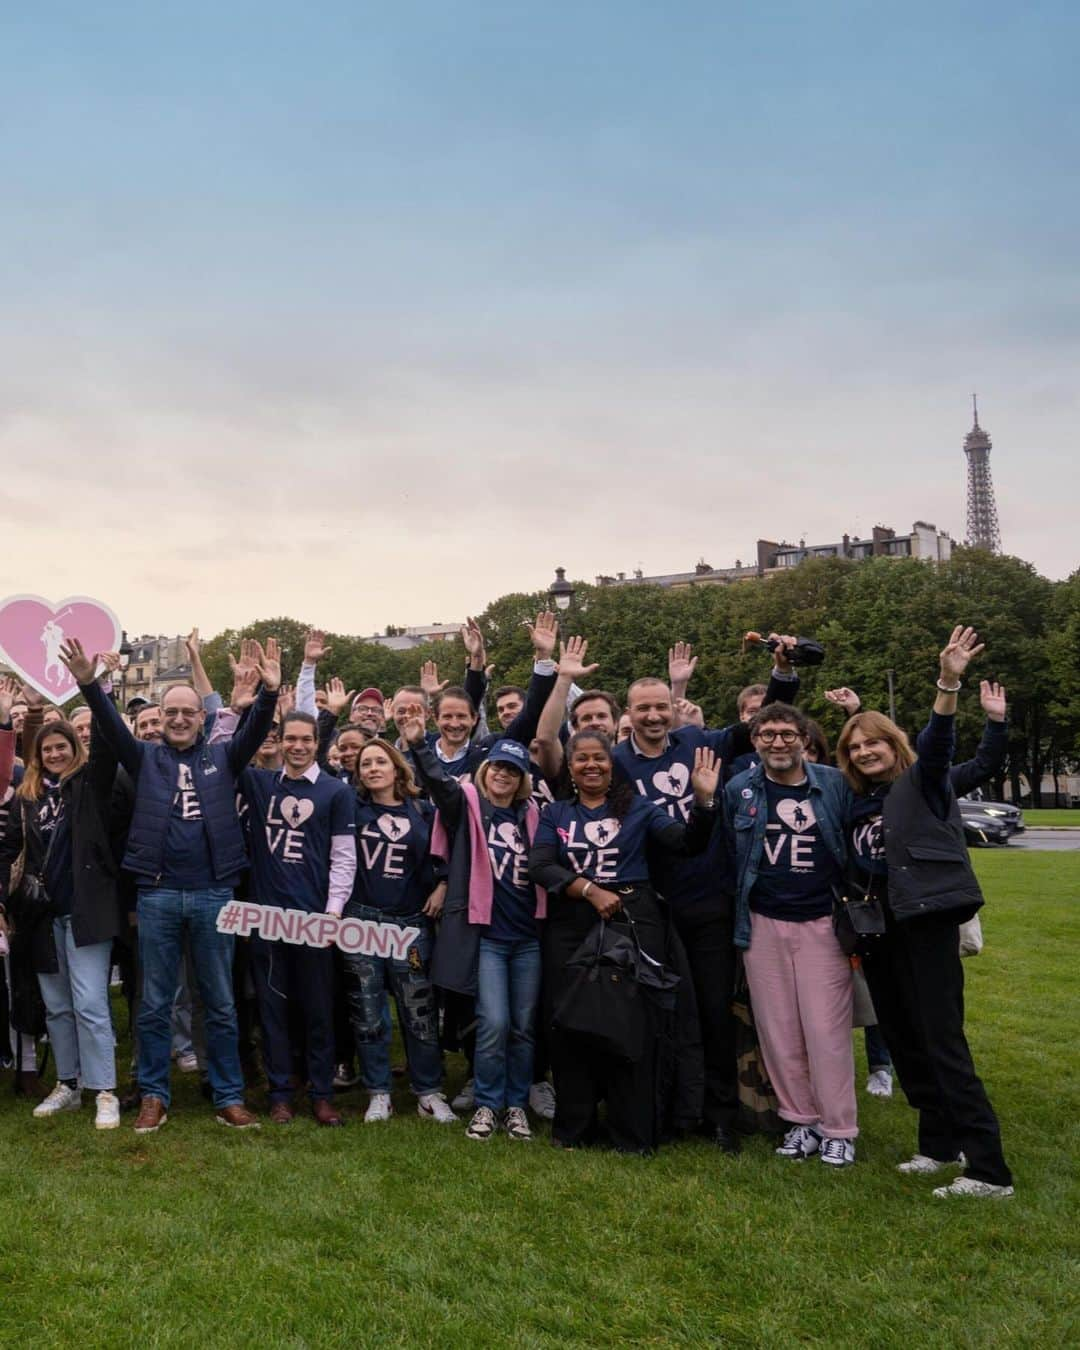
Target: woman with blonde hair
[[909, 856], [395, 884]]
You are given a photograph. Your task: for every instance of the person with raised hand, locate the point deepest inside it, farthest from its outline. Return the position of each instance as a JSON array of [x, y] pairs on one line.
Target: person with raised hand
[[186, 850], [591, 855], [66, 906], [909, 854]]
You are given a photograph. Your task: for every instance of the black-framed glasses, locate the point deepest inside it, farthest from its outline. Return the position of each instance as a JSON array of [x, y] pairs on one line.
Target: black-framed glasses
[[789, 736]]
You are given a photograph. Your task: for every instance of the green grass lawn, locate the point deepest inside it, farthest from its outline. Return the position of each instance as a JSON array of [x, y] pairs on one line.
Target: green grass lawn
[[1059, 816], [410, 1234]]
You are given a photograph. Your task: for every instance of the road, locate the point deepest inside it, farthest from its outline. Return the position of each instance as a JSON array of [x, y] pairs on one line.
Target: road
[[1053, 840]]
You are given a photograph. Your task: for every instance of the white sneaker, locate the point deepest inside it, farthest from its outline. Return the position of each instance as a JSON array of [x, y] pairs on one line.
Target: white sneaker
[[379, 1108], [801, 1141], [879, 1084], [925, 1166], [482, 1125], [434, 1106], [516, 1123], [838, 1152], [982, 1190], [542, 1100], [108, 1111], [466, 1098], [61, 1098], [188, 1062]]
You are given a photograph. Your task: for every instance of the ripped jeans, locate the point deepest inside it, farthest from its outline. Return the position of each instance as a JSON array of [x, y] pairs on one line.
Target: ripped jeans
[[369, 980]]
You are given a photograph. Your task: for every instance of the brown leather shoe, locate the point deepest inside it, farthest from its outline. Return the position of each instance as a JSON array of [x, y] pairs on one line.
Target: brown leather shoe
[[326, 1114], [281, 1113], [237, 1117], [152, 1115]]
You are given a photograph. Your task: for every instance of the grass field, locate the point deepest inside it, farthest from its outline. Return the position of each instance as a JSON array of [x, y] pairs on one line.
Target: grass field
[[410, 1234], [1060, 817]]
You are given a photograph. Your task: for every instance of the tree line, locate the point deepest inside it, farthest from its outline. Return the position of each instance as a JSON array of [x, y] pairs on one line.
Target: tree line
[[873, 617]]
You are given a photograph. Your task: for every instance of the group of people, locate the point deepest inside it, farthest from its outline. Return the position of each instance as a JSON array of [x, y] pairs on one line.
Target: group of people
[[584, 889]]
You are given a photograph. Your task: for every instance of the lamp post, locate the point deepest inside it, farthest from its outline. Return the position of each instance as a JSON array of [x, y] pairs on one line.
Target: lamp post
[[561, 591], [125, 661]]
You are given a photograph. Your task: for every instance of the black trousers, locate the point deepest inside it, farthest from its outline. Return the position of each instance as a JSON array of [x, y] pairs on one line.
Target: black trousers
[[710, 950], [291, 979], [916, 980]]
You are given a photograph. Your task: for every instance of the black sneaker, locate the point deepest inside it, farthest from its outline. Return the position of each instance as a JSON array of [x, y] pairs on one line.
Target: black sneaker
[[800, 1142]]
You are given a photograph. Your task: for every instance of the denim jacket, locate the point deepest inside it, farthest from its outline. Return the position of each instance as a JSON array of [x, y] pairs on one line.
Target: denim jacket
[[746, 815]]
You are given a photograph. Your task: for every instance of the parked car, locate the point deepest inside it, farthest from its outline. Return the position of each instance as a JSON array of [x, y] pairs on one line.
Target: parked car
[[1010, 816], [989, 823]]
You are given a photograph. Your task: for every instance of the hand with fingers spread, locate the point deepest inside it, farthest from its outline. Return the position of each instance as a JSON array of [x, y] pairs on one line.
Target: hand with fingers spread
[[960, 650], [681, 665], [78, 663], [429, 678], [245, 685], [268, 663], [286, 701], [992, 698], [412, 724], [543, 633], [572, 660], [846, 699], [705, 778], [338, 698], [315, 648], [111, 662], [9, 693], [472, 639]]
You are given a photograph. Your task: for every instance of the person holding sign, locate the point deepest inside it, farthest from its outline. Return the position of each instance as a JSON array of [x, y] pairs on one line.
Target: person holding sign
[[303, 853], [395, 883], [591, 856], [186, 851]]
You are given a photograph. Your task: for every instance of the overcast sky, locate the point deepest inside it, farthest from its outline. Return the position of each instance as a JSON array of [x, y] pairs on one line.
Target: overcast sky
[[369, 314]]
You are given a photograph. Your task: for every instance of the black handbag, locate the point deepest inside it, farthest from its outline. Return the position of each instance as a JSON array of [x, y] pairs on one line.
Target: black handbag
[[30, 900], [603, 1002], [858, 920]]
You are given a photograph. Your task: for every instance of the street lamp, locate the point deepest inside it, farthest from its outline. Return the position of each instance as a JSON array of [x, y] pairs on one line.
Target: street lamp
[[125, 661], [561, 591]]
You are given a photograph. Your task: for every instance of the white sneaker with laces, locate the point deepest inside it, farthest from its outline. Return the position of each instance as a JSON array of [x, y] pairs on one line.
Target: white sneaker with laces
[[838, 1152], [542, 1100], [434, 1106], [482, 1126], [980, 1190], [800, 1142], [879, 1084], [516, 1123], [926, 1166], [107, 1116], [466, 1098], [61, 1098], [379, 1108]]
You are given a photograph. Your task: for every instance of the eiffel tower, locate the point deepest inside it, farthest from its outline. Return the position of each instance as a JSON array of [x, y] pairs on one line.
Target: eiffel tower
[[983, 530]]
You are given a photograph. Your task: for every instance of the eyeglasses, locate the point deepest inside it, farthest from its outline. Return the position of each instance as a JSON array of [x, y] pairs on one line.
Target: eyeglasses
[[789, 737], [170, 714]]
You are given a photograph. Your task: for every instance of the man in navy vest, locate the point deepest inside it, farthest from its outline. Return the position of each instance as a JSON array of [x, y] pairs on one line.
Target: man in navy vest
[[186, 851]]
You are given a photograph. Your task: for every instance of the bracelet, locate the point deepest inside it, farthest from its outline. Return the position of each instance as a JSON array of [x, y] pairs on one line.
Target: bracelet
[[947, 689], [586, 890]]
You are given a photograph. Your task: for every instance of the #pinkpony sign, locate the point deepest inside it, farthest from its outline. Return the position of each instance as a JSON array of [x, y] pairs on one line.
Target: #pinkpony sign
[[365, 937], [32, 630]]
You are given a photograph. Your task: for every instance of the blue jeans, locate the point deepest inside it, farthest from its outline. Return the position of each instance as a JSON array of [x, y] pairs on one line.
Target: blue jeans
[[164, 918], [77, 1010], [369, 980], [507, 994]]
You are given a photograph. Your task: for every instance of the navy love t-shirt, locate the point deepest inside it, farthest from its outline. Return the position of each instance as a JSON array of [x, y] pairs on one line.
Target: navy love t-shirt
[[796, 871], [187, 850], [393, 871], [592, 843], [513, 911], [292, 822]]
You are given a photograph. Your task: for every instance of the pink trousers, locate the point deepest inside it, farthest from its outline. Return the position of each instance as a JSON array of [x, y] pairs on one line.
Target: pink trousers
[[801, 990]]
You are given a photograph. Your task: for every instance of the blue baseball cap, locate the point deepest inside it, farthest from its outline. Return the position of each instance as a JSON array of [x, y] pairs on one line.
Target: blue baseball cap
[[512, 753]]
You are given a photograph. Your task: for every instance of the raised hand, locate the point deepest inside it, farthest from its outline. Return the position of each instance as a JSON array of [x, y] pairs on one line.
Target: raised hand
[[785, 644], [543, 633], [247, 659], [110, 660], [962, 648], [688, 714], [705, 778], [681, 664], [429, 678], [268, 663], [245, 685], [191, 642], [473, 641], [81, 666], [992, 698], [286, 701], [315, 648], [9, 692], [30, 696], [338, 697], [572, 659], [412, 725], [845, 698]]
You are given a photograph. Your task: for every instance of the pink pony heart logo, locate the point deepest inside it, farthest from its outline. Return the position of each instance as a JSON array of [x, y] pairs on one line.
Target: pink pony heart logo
[[32, 630]]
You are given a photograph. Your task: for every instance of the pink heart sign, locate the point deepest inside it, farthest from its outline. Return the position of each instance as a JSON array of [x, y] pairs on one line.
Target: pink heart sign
[[32, 629]]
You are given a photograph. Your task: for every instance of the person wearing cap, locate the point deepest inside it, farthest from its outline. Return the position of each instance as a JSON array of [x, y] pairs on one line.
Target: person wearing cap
[[489, 941], [366, 713]]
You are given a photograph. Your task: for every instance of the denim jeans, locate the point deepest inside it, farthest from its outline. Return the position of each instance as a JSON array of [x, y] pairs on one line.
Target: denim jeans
[[77, 1010], [369, 980], [507, 994], [165, 916]]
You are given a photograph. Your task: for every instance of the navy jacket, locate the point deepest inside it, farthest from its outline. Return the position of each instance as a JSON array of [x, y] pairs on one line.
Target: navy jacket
[[153, 768]]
